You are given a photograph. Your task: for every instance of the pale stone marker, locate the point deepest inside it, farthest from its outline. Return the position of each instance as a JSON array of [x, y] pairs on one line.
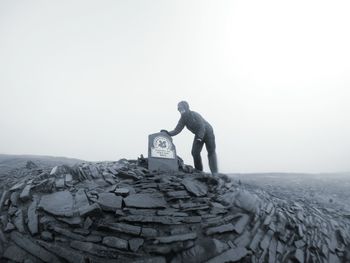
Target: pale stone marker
[[161, 153]]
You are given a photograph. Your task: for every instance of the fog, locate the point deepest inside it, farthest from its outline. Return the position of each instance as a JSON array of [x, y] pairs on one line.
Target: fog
[[92, 79]]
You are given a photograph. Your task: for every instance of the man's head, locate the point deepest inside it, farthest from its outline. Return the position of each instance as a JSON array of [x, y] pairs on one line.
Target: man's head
[[183, 107]]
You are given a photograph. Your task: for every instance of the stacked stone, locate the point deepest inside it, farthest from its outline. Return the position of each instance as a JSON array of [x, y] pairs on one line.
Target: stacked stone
[[121, 212]]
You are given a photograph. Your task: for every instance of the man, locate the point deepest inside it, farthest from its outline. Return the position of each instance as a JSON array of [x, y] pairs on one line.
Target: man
[[204, 134]]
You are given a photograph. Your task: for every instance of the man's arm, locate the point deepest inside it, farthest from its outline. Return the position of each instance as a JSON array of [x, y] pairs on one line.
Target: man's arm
[[179, 127]]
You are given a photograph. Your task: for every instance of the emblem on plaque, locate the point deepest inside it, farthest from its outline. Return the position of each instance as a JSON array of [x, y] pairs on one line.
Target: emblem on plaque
[[162, 148], [161, 153]]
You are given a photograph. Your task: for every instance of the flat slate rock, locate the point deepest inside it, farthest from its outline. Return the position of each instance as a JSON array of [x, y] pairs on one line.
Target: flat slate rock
[[68, 233], [177, 238], [241, 224], [109, 201], [203, 250], [220, 229], [69, 255], [247, 201], [19, 221], [17, 254], [80, 199], [46, 236], [115, 242], [149, 232], [123, 191], [135, 244], [94, 249], [17, 186], [195, 187], [14, 197], [299, 255], [145, 201], [123, 228], [58, 203], [231, 255], [33, 218], [33, 248], [265, 242], [25, 194], [74, 221], [68, 179], [59, 182], [171, 212], [88, 210], [166, 220], [9, 227], [182, 194], [157, 259]]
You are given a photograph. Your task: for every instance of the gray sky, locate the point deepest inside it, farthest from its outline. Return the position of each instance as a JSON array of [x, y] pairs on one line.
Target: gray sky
[[91, 79]]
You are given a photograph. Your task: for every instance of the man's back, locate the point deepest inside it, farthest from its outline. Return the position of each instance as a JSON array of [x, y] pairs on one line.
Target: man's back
[[195, 123]]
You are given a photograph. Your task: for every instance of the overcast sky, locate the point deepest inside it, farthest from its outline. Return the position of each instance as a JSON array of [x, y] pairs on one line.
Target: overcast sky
[[92, 79]]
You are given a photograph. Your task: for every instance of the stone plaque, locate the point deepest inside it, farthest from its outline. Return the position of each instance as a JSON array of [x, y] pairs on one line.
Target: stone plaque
[[161, 153]]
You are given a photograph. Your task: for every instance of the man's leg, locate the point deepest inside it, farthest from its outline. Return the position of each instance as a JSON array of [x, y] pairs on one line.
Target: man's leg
[[196, 153], [211, 146]]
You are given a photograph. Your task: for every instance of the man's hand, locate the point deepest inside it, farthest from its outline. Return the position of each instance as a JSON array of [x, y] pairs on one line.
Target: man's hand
[[165, 131]]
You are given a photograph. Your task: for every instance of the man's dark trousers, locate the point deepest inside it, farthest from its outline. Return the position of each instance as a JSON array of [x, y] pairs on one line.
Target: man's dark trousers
[[209, 141]]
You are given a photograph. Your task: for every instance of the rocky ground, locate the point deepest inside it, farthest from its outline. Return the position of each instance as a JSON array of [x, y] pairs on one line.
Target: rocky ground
[[121, 212], [327, 191]]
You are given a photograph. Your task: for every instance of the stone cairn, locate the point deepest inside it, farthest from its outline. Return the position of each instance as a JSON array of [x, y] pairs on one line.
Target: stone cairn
[[121, 212]]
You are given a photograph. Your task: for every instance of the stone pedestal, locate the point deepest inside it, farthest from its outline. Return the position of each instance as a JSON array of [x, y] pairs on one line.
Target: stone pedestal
[[161, 153]]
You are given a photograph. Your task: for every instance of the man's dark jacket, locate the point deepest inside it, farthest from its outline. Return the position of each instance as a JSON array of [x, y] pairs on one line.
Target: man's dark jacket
[[194, 122]]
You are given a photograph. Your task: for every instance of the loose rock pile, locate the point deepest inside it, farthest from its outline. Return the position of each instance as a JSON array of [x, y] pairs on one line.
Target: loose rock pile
[[121, 212]]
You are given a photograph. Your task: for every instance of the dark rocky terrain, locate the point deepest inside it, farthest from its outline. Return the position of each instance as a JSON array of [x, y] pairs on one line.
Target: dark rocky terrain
[[122, 212], [327, 191], [14, 165]]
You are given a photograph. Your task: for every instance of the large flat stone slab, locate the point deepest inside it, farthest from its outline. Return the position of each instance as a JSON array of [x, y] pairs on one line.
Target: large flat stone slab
[[68, 179], [25, 194], [58, 203], [95, 173], [14, 197], [32, 248], [165, 220], [94, 249], [59, 183], [88, 210], [177, 238], [80, 199], [17, 254], [33, 218], [195, 187], [247, 201], [69, 255], [145, 201], [182, 194], [110, 201], [115, 242], [68, 233], [220, 229], [231, 255], [122, 191], [241, 224], [19, 221], [203, 250], [17, 186], [122, 228], [135, 244]]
